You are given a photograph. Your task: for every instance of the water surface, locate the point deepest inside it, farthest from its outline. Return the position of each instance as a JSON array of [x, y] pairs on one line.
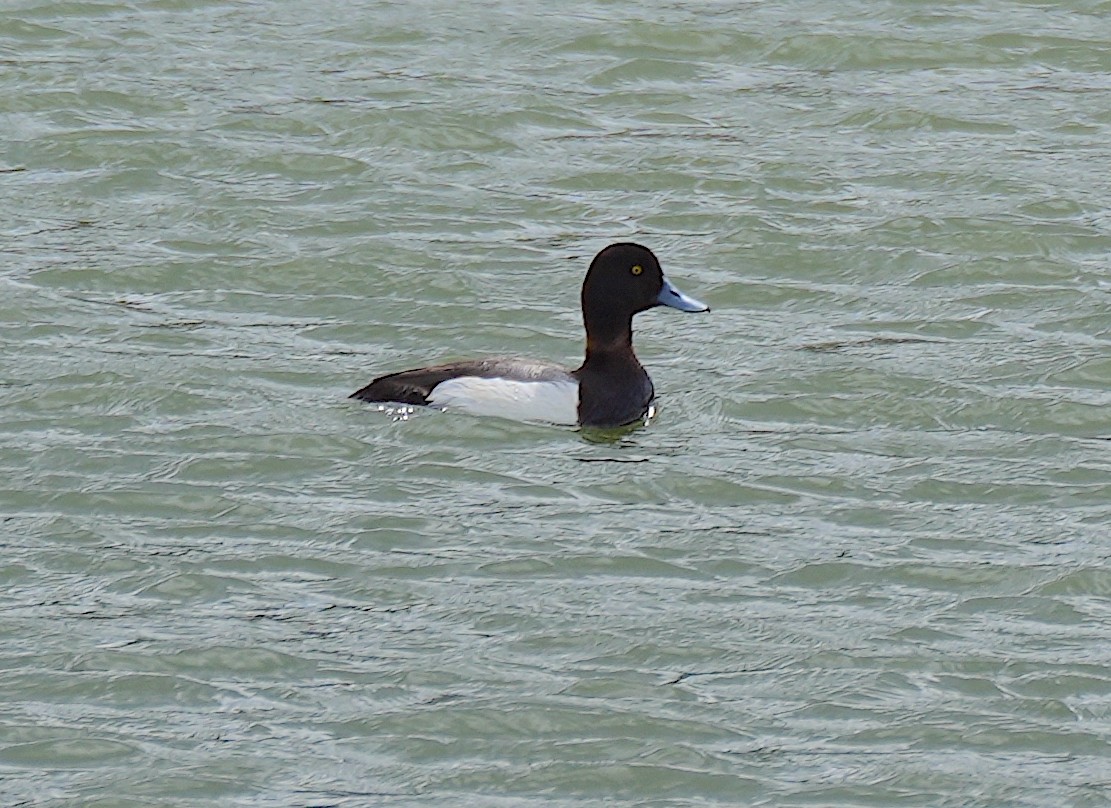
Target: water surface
[[859, 559]]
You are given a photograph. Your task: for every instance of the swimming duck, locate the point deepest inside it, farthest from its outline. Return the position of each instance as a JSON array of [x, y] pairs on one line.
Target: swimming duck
[[609, 389]]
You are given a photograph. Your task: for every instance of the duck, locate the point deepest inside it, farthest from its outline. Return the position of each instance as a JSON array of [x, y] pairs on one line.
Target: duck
[[609, 389]]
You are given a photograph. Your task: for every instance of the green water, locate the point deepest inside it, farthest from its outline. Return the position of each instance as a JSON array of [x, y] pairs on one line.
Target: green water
[[859, 559]]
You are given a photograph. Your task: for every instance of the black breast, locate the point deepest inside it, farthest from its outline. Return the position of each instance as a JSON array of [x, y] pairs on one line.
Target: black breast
[[613, 391]]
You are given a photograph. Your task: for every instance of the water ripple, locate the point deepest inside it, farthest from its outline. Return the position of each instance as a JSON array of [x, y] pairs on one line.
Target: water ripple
[[858, 558]]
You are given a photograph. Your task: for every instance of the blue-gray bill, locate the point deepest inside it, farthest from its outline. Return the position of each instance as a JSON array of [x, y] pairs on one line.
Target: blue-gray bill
[[670, 296]]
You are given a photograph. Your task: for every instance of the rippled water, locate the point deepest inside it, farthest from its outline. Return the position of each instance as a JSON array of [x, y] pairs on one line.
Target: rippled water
[[860, 558]]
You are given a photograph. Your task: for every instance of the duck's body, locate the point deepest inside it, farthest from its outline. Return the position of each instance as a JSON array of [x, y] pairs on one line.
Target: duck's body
[[609, 389], [521, 389]]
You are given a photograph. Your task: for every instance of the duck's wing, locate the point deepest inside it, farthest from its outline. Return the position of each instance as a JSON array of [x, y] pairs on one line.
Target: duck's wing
[[415, 386]]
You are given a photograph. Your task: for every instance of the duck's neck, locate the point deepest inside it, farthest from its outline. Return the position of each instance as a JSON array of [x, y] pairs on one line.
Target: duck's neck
[[608, 335]]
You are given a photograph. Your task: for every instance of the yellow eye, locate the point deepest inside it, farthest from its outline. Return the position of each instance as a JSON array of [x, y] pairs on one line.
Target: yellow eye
[[637, 269]]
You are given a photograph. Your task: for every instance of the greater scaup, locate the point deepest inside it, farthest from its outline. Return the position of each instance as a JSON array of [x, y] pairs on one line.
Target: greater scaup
[[609, 389]]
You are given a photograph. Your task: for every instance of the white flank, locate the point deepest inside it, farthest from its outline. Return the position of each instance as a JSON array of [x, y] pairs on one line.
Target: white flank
[[554, 402]]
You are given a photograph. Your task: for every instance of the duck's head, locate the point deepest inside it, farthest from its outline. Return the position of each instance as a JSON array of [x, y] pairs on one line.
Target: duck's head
[[625, 279]]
